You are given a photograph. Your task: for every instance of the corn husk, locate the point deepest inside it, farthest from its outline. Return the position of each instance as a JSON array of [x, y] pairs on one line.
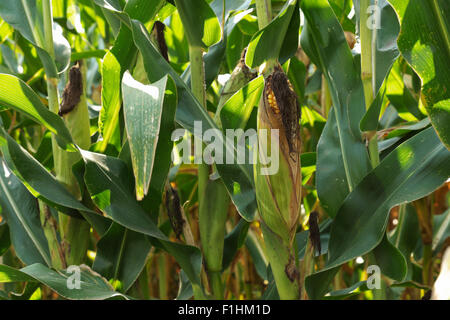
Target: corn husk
[[279, 194]]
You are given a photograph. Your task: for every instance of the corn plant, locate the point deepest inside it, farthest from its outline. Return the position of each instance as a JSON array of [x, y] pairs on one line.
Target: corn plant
[[254, 149]]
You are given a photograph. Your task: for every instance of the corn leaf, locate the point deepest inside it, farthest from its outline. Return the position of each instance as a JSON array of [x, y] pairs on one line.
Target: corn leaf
[[201, 25], [92, 285], [21, 211], [121, 255], [27, 102], [279, 39], [27, 18], [110, 186], [143, 107], [424, 42], [342, 159]]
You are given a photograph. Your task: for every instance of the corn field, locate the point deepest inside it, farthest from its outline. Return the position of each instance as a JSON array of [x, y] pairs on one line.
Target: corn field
[[224, 149]]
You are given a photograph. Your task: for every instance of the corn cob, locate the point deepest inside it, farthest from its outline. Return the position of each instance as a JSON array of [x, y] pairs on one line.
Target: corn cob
[[279, 194]]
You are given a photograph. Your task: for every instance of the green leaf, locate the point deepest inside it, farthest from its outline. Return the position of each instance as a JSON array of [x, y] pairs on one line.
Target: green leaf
[[189, 109], [413, 170], [400, 96], [231, 5], [257, 253], [297, 76], [200, 23], [119, 59], [216, 54], [99, 54], [43, 184], [277, 39], [236, 111], [9, 59], [407, 232], [424, 42], [236, 42], [405, 237], [44, 152], [21, 212], [385, 46], [237, 178], [164, 148], [176, 40], [291, 39], [9, 274], [441, 230], [400, 134], [342, 10], [390, 260], [271, 293], [143, 107], [308, 161], [113, 5], [317, 284], [233, 241], [27, 293], [108, 120], [111, 187], [26, 17], [92, 285], [121, 255], [385, 52], [5, 242], [342, 159], [185, 288], [333, 170], [27, 102], [347, 292]]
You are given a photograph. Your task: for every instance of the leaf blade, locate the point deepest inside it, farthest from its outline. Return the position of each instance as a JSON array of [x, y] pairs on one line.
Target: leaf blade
[[424, 42], [143, 105]]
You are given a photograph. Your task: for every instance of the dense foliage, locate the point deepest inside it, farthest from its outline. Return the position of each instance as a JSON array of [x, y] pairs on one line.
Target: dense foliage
[[104, 194]]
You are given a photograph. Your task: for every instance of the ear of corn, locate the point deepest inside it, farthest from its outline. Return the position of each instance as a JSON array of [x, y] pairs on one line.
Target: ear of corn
[[279, 194]]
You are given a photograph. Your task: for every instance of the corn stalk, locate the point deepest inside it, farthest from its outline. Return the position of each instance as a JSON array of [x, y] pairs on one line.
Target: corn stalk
[[74, 232], [368, 45]]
